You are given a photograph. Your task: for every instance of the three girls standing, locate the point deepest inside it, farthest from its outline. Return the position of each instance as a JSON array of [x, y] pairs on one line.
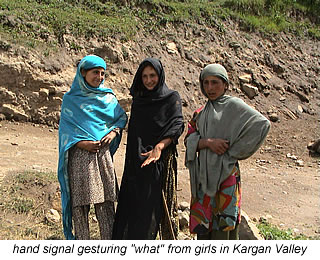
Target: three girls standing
[[224, 131]]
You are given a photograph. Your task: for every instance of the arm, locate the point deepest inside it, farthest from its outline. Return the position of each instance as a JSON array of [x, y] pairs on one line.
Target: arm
[[91, 146], [94, 146], [218, 146], [155, 153]]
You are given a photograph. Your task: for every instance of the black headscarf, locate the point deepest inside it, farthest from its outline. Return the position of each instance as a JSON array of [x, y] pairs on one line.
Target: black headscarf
[[155, 115]]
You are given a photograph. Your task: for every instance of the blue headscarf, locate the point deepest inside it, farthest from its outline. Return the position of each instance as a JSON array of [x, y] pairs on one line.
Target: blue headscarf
[[87, 113]]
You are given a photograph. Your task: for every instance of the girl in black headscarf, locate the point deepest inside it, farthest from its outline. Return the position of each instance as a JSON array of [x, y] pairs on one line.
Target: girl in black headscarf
[[147, 199]]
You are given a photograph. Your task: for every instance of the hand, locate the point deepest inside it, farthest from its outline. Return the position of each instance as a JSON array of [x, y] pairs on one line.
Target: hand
[[153, 156], [108, 138], [218, 146], [91, 146]]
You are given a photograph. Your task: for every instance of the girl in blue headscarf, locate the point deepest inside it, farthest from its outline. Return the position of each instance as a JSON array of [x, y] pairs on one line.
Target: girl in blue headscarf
[[90, 130]]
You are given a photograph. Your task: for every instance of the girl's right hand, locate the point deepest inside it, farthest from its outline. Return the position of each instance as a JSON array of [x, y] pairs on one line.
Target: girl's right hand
[[218, 146], [91, 146]]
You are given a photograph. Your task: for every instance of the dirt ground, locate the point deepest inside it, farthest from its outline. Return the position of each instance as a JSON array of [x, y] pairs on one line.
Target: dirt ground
[[273, 184]]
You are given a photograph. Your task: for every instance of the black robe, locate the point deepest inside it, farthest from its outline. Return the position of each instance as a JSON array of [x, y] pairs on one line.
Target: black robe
[[155, 115]]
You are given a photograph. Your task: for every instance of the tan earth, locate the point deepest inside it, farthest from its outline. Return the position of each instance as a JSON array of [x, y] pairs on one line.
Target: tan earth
[[273, 184]]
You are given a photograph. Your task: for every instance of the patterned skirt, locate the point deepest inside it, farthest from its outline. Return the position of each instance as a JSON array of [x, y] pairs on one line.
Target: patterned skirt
[[92, 176]]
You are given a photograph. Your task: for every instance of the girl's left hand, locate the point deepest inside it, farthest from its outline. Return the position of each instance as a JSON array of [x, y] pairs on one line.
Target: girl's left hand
[[153, 156], [108, 138]]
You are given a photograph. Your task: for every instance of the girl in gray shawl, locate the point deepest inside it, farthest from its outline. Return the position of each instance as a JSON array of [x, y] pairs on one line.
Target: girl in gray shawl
[[224, 131]]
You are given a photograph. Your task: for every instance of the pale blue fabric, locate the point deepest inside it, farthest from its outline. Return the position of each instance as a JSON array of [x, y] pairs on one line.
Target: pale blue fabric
[[87, 113]]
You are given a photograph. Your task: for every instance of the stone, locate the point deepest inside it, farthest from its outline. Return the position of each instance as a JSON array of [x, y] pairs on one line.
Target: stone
[[248, 230], [182, 236], [303, 97], [183, 219], [53, 216], [44, 94], [250, 90], [299, 163], [110, 53], [314, 146], [2, 117], [274, 117], [246, 78], [184, 205], [11, 111], [172, 48]]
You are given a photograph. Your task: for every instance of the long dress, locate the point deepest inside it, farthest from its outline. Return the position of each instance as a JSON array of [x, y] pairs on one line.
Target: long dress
[[87, 113], [155, 115], [215, 179]]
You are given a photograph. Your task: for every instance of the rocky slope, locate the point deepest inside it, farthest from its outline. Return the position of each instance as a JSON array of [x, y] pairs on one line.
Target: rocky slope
[[277, 75]]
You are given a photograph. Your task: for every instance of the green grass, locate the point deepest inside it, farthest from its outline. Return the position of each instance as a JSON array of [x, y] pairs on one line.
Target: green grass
[[34, 23], [13, 198], [26, 197], [271, 232]]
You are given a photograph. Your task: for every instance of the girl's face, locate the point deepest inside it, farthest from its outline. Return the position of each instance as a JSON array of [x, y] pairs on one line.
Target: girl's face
[[94, 76], [214, 87], [150, 77]]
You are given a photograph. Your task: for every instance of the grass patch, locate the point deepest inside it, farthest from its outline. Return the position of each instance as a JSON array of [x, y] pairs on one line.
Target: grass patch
[[26, 198], [55, 23], [271, 232]]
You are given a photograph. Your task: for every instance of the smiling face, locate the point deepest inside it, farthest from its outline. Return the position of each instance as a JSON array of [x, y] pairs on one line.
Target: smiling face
[[94, 76], [214, 87], [150, 77]]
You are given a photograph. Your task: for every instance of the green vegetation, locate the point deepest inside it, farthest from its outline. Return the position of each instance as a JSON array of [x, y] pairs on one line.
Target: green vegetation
[[26, 199], [271, 232], [15, 200], [32, 22]]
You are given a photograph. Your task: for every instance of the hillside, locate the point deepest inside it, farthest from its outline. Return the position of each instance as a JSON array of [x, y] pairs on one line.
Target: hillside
[[275, 72]]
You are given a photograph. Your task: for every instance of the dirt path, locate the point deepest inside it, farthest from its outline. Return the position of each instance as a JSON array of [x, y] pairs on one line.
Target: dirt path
[[273, 186]]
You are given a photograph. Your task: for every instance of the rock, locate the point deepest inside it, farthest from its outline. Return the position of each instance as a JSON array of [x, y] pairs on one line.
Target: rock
[[295, 230], [44, 94], [291, 156], [109, 53], [184, 205], [300, 109], [265, 218], [250, 91], [183, 219], [314, 146], [53, 216], [290, 114], [299, 163], [187, 83], [268, 216], [2, 117], [182, 236], [303, 97], [274, 117], [172, 48], [246, 78], [248, 230], [11, 111]]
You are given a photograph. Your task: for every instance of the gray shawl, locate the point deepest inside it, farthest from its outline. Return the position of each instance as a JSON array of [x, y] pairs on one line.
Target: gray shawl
[[227, 118]]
